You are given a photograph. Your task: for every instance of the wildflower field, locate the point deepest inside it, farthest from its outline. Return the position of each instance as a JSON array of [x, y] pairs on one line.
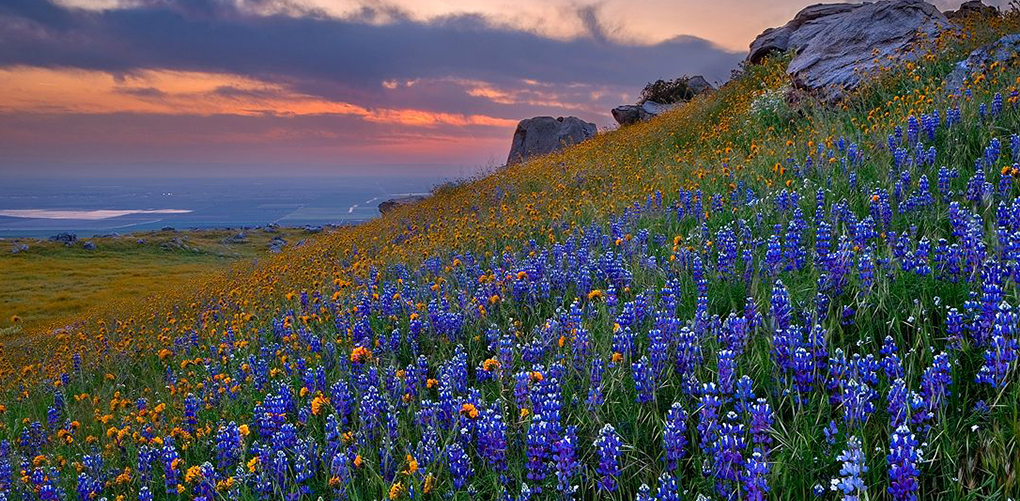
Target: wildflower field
[[742, 299]]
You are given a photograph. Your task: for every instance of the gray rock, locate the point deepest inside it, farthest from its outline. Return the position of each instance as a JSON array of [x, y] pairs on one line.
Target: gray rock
[[167, 228], [838, 45], [698, 84], [140, 241], [312, 229], [393, 203], [632, 113], [804, 26], [629, 113], [177, 243], [543, 135], [88, 246], [277, 244], [64, 237], [1001, 51], [238, 238], [18, 247], [972, 8]]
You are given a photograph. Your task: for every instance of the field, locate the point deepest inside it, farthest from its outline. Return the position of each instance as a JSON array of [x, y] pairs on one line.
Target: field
[[52, 283], [745, 298]]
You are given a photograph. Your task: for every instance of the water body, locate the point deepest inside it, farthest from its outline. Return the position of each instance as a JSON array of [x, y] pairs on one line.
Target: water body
[[44, 207]]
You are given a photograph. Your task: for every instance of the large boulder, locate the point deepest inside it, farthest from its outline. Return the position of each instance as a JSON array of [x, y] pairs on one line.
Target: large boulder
[[808, 23], [632, 113], [838, 45], [543, 135], [972, 8], [393, 203], [999, 51]]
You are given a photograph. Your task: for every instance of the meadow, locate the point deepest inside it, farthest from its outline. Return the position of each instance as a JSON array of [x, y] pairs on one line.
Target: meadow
[[50, 282], [745, 298]]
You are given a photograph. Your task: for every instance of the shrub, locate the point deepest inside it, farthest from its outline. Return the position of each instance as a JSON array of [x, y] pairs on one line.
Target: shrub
[[667, 91]]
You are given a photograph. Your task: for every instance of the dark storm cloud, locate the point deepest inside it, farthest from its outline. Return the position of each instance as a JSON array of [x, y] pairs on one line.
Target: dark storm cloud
[[302, 45]]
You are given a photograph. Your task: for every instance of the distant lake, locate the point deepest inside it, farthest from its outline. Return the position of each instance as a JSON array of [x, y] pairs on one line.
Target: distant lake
[[44, 207]]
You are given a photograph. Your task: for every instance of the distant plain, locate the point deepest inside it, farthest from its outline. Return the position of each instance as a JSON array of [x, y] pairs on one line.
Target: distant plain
[[44, 282]]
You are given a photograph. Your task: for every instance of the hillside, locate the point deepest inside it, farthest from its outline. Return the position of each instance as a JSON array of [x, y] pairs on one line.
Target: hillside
[[744, 298]]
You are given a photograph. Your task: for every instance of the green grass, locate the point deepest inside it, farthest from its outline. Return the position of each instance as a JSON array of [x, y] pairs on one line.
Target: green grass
[[52, 282]]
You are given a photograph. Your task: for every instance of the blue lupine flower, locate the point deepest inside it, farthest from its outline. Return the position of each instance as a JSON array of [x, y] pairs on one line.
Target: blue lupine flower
[[803, 372], [190, 412], [460, 465], [902, 460], [726, 367], [999, 358], [850, 482], [607, 447], [538, 451], [755, 476], [708, 418], [492, 444], [857, 402], [728, 456], [644, 380], [1002, 351], [668, 489], [564, 454], [761, 424], [935, 383], [898, 406], [674, 435]]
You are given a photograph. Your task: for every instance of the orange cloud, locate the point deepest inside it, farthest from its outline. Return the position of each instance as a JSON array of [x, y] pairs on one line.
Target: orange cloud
[[64, 91]]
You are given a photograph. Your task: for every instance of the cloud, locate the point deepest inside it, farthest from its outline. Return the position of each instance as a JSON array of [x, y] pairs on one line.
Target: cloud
[[588, 14], [223, 36]]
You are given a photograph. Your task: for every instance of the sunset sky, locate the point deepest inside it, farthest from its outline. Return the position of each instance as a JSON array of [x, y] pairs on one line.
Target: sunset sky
[[263, 87]]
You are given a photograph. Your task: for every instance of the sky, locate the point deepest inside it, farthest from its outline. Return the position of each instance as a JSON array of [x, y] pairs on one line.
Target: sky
[[318, 87]]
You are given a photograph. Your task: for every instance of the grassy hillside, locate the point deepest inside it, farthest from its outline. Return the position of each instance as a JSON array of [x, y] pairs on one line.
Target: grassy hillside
[[742, 299]]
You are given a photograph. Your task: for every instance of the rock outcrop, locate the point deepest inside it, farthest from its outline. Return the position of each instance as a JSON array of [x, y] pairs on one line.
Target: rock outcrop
[[972, 8], [838, 45], [627, 114], [632, 113], [393, 203], [699, 85], [237, 238], [807, 24], [999, 51], [277, 244], [542, 135]]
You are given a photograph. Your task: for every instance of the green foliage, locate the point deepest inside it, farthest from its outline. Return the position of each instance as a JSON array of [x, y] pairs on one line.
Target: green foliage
[[667, 91]]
